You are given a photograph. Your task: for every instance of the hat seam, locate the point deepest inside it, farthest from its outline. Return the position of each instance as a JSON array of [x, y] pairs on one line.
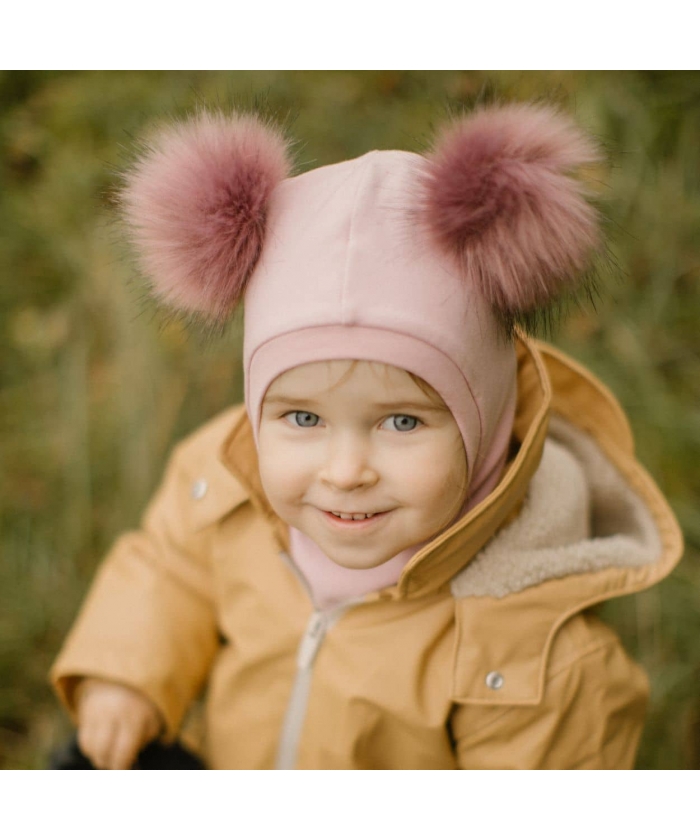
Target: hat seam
[[350, 241]]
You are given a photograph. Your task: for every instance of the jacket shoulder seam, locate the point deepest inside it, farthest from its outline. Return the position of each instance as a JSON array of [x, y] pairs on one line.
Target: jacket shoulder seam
[[579, 656]]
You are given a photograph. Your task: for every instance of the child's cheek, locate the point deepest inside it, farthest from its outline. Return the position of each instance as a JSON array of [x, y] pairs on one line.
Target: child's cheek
[[438, 480], [282, 472], [431, 460], [272, 466]]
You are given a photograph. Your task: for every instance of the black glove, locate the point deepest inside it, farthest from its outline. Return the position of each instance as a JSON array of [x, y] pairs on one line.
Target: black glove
[[154, 756]]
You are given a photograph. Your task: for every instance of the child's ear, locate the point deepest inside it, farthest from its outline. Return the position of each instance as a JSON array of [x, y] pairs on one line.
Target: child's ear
[[195, 203], [498, 192]]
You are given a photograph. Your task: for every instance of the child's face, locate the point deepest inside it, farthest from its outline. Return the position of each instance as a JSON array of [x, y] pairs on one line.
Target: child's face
[[357, 438]]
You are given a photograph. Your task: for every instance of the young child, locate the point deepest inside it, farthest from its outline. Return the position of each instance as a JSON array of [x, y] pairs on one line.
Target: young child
[[384, 560]]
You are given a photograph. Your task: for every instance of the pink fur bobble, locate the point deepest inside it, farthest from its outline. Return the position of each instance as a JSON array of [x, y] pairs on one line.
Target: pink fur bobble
[[196, 202], [499, 194]]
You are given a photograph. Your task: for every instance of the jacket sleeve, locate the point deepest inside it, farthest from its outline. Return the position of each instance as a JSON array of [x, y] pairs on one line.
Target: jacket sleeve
[[590, 717], [149, 620]]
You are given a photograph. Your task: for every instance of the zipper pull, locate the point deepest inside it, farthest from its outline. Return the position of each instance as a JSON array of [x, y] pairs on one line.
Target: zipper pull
[[310, 643]]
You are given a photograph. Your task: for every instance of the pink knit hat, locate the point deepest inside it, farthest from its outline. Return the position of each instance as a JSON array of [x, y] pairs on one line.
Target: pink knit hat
[[423, 263]]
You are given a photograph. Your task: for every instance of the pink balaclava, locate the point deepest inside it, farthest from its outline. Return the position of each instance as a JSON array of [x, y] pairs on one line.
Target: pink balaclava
[[423, 263]]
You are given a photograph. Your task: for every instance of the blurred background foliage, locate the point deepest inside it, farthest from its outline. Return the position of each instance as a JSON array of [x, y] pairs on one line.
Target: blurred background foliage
[[95, 386]]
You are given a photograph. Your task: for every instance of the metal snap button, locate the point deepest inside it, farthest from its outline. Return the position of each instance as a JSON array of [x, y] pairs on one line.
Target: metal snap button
[[199, 489], [494, 680]]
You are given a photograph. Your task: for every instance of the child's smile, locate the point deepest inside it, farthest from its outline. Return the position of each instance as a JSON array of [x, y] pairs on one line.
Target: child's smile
[[360, 458], [355, 521], [355, 517]]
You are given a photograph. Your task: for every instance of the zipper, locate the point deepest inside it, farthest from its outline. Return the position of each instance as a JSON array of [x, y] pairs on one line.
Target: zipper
[[317, 627]]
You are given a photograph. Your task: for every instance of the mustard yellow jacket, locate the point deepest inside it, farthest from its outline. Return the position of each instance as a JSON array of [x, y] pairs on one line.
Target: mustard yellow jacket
[[483, 654]]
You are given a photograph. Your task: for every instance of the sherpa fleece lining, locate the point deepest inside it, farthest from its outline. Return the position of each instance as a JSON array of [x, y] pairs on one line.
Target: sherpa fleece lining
[[579, 515]]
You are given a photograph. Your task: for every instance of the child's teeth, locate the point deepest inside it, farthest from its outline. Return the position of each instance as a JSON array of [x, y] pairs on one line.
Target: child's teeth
[[352, 515]]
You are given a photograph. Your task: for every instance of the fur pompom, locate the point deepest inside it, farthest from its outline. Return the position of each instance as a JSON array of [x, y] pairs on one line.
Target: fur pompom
[[498, 193], [195, 203]]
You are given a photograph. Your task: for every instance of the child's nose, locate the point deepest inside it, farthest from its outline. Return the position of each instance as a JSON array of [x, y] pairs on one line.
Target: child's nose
[[348, 465]]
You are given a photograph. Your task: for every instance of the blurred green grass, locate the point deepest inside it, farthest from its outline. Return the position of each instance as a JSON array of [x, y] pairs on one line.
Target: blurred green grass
[[94, 388]]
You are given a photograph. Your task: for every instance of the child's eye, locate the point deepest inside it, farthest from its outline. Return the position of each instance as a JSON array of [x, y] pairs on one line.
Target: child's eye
[[401, 423], [303, 419]]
